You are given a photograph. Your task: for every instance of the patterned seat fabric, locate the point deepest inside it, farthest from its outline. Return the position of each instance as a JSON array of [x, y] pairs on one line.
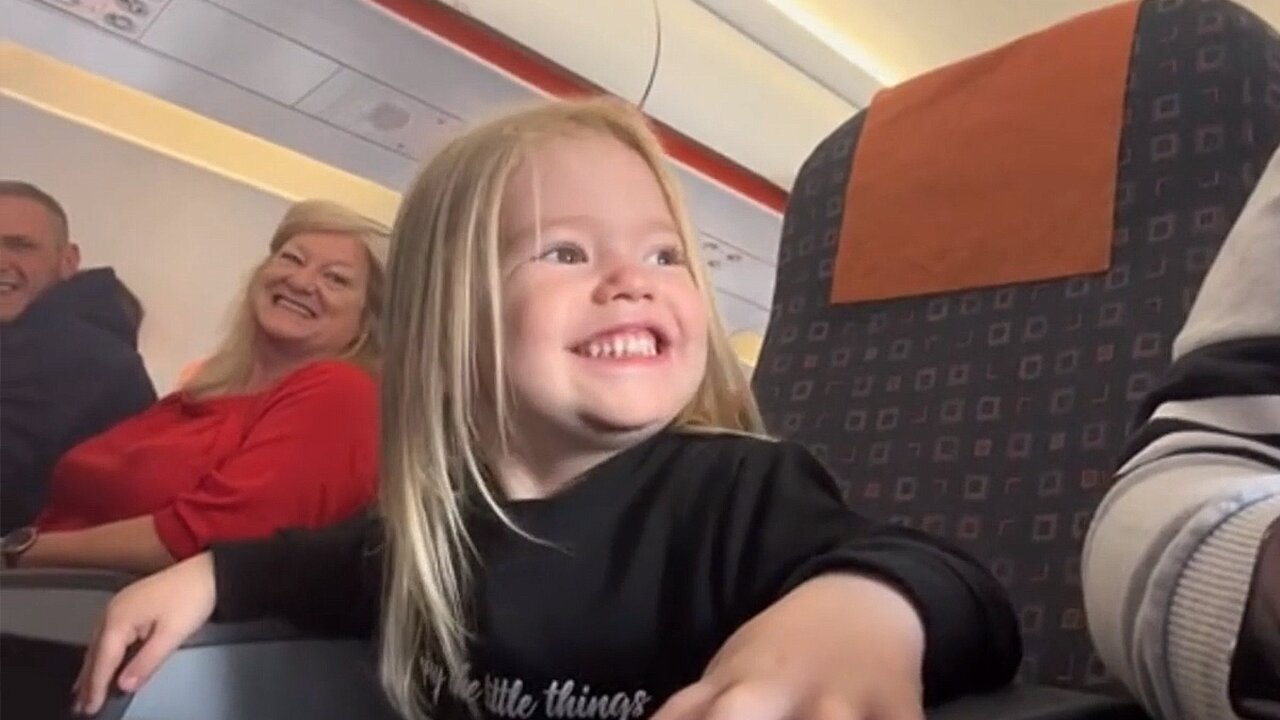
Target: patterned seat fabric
[[993, 417]]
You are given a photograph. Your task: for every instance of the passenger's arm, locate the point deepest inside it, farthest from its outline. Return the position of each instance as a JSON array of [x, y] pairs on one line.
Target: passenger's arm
[[127, 391], [327, 581], [964, 610], [308, 460], [832, 612], [1170, 555], [132, 546], [1172, 549], [323, 580], [30, 452]]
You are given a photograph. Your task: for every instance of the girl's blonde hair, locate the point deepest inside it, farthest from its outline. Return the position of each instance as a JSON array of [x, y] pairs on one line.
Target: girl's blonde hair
[[444, 380], [227, 370]]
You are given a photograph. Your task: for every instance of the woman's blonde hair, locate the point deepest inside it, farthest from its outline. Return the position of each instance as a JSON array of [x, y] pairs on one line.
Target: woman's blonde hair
[[444, 381], [228, 368]]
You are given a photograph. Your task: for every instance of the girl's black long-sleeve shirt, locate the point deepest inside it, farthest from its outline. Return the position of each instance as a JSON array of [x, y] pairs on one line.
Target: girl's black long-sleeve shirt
[[645, 567]]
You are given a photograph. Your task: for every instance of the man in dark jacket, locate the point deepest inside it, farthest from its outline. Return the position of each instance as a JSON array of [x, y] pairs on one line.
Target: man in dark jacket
[[69, 364]]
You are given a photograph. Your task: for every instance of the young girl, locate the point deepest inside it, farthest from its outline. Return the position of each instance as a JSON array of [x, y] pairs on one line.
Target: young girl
[[578, 516]]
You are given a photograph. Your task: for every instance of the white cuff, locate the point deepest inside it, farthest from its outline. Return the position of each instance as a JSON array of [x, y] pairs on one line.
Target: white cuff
[[1207, 609]]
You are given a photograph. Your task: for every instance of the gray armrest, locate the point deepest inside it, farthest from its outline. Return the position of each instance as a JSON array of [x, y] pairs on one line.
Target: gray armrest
[[47, 618], [226, 671], [1034, 702], [65, 606], [261, 631], [56, 605], [109, 581]]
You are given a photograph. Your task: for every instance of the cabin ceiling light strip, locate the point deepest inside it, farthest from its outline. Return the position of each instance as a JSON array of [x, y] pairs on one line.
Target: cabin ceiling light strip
[[833, 39]]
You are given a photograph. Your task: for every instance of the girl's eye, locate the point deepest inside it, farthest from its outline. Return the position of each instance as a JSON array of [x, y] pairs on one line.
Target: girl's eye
[[291, 257], [667, 256], [564, 255], [338, 279]]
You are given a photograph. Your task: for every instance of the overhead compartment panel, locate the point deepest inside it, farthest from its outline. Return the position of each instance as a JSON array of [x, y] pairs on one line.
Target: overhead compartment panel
[[238, 51]]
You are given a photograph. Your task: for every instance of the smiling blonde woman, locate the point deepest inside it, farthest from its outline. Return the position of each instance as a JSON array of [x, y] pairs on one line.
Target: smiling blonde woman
[[277, 428]]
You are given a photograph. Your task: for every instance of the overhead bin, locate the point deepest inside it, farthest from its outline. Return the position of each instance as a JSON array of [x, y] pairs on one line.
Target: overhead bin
[[710, 81]]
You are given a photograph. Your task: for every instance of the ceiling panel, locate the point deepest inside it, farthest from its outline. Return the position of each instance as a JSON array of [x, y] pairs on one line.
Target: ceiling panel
[[380, 114], [613, 49], [420, 65], [350, 113], [49, 31], [784, 34], [130, 18], [908, 37], [423, 67], [367, 39], [732, 218], [702, 74], [739, 314], [238, 51], [737, 272]]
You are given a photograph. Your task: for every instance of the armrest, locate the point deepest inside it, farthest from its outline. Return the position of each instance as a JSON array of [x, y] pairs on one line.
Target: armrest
[[56, 605], [65, 606], [48, 619], [225, 671], [109, 581], [1038, 702]]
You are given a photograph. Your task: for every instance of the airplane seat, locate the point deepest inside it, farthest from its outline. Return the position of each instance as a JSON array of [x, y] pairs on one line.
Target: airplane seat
[[993, 413]]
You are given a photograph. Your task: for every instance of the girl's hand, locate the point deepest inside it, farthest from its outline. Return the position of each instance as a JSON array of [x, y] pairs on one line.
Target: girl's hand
[[160, 611], [839, 647]]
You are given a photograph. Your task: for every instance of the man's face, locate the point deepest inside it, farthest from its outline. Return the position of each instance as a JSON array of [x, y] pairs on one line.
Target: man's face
[[34, 254]]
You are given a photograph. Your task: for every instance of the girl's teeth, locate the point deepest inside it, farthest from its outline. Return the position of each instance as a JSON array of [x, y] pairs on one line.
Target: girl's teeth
[[631, 345]]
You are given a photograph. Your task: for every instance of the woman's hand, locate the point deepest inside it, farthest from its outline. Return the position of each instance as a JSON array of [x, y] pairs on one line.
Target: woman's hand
[[160, 612], [839, 647]]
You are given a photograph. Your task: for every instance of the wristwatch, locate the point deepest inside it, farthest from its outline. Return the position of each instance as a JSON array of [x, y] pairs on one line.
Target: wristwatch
[[17, 542]]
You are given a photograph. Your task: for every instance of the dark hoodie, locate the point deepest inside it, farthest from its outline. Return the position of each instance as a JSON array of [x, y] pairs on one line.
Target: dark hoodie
[[69, 369]]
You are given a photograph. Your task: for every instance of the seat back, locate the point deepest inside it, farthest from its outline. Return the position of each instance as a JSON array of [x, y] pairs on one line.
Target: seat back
[[993, 416]]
